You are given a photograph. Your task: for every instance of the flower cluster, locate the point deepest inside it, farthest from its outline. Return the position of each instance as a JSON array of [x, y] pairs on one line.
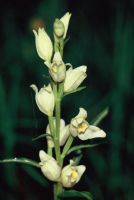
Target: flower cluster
[[46, 99], [68, 176]]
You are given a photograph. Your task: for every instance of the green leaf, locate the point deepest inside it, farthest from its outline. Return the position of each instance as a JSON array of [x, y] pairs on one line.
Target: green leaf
[[22, 160], [82, 146], [41, 136], [73, 193], [73, 91], [66, 40], [99, 117]]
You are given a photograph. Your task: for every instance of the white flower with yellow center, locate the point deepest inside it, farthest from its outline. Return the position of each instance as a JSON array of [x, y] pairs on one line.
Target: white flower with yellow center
[[44, 99], [49, 166], [70, 175], [57, 69], [44, 45], [64, 133], [80, 127], [74, 78]]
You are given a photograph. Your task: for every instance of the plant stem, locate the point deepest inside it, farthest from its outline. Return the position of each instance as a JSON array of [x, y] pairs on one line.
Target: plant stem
[[57, 190]]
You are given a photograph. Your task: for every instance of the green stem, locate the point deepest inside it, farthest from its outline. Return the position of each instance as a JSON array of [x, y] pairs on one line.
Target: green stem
[[57, 188], [49, 151], [51, 124], [56, 49], [61, 46]]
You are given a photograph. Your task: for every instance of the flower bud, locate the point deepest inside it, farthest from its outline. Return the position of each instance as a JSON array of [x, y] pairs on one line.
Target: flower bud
[[57, 69], [43, 44], [64, 133], [49, 166], [71, 175], [44, 99], [58, 28], [65, 20], [80, 127], [74, 77]]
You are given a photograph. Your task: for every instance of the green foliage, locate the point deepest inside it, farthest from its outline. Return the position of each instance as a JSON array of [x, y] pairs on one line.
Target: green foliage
[[73, 91], [21, 160], [41, 136], [73, 193]]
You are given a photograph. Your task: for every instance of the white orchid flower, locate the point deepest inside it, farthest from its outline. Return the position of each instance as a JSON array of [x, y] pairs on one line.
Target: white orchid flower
[[64, 133], [44, 99], [44, 45], [49, 166], [74, 78], [65, 20], [70, 175], [57, 69], [80, 127]]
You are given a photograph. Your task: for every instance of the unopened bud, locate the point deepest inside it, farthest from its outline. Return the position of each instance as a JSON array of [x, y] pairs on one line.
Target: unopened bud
[[59, 28]]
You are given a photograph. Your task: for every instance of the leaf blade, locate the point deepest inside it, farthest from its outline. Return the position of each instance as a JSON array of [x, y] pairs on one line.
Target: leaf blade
[[99, 117], [41, 136], [21, 160], [82, 146], [73, 91], [73, 193]]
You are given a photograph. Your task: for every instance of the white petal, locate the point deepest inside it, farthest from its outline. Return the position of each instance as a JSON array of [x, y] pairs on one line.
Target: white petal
[[92, 132], [82, 113], [64, 133]]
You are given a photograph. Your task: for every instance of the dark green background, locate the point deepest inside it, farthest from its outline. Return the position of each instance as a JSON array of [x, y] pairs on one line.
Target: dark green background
[[102, 37]]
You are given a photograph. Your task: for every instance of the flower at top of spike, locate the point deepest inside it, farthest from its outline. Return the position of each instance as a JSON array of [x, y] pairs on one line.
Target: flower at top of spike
[[81, 128], [65, 20], [44, 45]]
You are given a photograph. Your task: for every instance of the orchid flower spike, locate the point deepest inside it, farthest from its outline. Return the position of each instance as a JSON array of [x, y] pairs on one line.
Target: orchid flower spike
[[49, 166], [80, 127], [44, 45], [44, 99], [71, 175]]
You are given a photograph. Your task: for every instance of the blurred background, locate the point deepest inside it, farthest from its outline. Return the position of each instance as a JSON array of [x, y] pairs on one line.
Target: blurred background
[[102, 37]]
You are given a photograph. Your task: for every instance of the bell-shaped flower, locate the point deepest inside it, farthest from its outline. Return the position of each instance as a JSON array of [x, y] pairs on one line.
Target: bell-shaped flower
[[81, 128], [49, 166], [57, 69], [43, 44], [70, 175], [59, 28], [44, 99], [74, 78], [64, 133], [65, 19]]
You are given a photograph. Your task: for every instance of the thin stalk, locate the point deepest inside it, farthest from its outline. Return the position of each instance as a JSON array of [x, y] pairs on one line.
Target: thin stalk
[[49, 151], [51, 124], [61, 46]]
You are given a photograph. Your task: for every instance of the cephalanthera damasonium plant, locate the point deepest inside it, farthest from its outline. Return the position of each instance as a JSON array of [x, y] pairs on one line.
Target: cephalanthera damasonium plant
[[62, 82]]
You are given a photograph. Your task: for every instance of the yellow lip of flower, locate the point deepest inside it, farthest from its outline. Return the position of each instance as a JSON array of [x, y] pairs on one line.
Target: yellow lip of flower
[[74, 174], [82, 127], [54, 68]]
